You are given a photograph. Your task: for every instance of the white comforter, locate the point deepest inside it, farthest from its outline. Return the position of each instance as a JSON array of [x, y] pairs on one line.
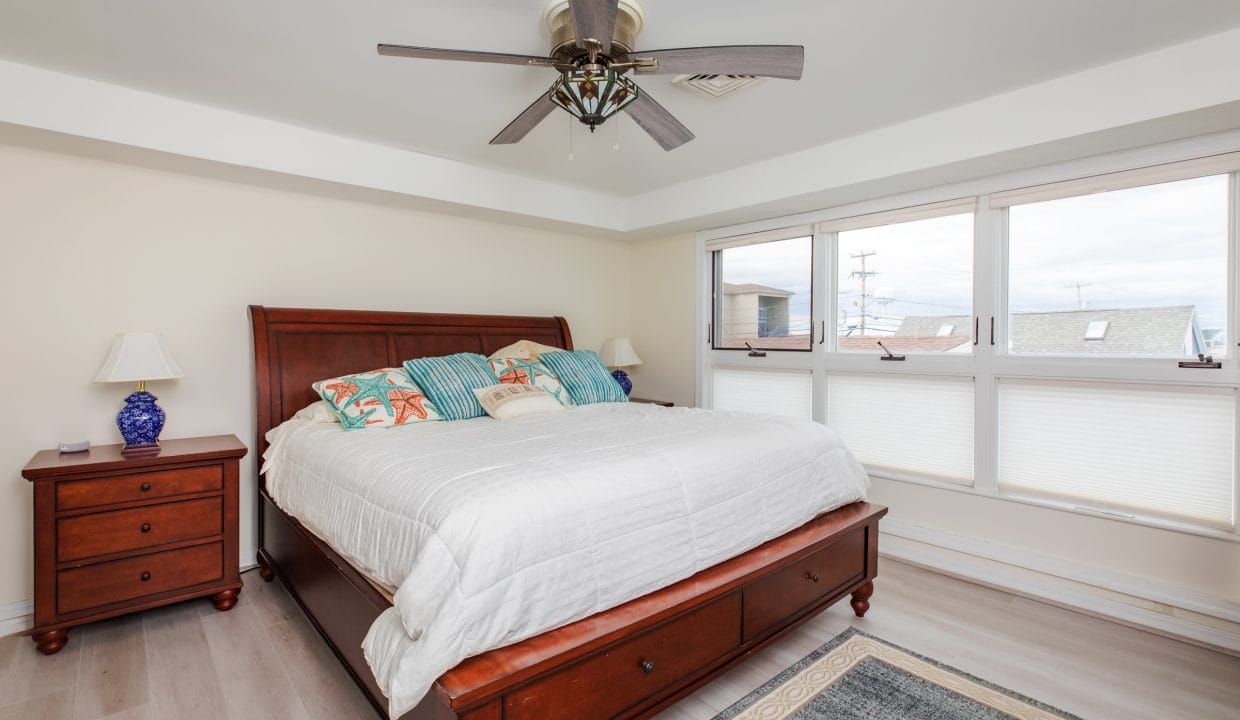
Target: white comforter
[[495, 531]]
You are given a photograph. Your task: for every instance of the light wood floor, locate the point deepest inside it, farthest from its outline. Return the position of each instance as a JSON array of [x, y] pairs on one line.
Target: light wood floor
[[262, 660]]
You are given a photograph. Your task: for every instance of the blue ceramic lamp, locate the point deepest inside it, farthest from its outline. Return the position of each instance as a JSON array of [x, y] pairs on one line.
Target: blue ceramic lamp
[[619, 354], [139, 357]]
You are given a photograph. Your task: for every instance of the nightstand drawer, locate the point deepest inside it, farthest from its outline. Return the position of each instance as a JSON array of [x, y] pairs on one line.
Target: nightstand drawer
[[120, 580], [86, 536], [74, 494]]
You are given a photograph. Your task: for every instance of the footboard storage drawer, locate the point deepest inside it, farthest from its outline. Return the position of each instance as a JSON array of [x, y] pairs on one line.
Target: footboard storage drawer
[[622, 676], [772, 599]]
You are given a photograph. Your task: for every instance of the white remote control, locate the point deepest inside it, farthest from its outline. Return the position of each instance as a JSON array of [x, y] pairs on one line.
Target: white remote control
[[71, 447]]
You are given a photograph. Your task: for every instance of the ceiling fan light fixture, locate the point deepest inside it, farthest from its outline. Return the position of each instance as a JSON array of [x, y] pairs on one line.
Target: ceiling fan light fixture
[[593, 95]]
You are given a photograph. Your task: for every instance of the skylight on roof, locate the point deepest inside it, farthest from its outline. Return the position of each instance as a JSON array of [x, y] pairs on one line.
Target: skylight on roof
[[1097, 329], [945, 330]]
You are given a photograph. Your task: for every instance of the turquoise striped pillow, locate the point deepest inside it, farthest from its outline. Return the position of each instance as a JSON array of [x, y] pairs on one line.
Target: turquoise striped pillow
[[450, 381], [585, 376]]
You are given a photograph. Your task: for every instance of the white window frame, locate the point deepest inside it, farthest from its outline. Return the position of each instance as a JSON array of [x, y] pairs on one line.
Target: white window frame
[[990, 362]]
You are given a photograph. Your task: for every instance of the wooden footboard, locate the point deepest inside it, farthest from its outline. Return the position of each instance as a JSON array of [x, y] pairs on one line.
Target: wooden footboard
[[628, 662]]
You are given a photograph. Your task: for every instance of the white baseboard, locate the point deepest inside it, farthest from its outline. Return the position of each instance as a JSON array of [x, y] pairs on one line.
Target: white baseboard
[[16, 617], [1066, 584]]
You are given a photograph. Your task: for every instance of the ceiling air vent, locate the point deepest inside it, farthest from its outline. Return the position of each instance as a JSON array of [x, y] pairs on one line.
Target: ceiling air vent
[[716, 85]]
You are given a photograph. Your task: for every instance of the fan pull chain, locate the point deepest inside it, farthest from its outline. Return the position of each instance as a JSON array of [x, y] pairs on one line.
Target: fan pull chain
[[616, 122], [570, 137]]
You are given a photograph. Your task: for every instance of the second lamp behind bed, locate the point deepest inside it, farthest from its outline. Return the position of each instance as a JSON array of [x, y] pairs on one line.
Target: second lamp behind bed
[[618, 353]]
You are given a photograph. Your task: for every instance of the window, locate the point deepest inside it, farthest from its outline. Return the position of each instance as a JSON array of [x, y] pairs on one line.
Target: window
[[905, 284], [1097, 329], [1036, 335], [1142, 270], [763, 295]]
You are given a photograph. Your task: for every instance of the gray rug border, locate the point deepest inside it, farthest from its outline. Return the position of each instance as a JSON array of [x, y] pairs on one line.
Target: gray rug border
[[740, 705]]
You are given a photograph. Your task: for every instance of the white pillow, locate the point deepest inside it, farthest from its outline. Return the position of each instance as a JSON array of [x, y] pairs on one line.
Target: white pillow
[[317, 412], [524, 349], [506, 401]]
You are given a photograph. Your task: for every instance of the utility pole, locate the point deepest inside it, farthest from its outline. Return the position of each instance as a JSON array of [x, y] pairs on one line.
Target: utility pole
[[863, 274], [1080, 299]]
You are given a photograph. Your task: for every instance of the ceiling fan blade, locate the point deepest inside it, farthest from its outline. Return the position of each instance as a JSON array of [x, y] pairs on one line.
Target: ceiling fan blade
[[594, 20], [465, 55], [525, 122], [776, 61], [658, 122]]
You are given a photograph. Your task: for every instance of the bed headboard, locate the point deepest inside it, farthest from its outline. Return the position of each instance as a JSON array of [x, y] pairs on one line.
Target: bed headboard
[[294, 347]]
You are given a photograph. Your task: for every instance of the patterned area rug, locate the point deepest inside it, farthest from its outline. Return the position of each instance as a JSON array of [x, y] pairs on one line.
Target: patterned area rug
[[857, 676]]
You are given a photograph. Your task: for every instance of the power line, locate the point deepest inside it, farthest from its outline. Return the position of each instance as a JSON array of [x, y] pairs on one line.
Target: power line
[[863, 274], [1080, 299]]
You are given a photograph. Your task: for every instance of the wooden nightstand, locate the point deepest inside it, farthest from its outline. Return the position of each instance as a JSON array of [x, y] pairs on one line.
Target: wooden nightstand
[[114, 535], [664, 403]]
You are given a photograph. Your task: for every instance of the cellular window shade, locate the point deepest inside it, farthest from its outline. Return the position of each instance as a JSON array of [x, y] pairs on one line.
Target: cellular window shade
[[1150, 450], [758, 237], [901, 215], [922, 426], [1153, 175], [778, 392]]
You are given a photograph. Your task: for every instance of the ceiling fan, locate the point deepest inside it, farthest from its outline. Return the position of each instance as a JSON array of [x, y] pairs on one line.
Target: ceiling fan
[[592, 49]]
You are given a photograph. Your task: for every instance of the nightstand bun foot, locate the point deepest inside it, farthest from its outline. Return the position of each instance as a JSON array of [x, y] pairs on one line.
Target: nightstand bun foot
[[861, 598], [225, 600], [50, 642]]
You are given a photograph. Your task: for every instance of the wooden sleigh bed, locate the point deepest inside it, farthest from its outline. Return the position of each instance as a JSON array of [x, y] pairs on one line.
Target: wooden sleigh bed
[[628, 662]]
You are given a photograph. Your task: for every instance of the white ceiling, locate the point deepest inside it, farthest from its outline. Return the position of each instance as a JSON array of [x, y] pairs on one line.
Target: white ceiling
[[313, 64]]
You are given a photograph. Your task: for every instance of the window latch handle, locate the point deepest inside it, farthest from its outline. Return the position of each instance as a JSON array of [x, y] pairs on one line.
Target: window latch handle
[[1203, 362], [755, 353], [889, 355]]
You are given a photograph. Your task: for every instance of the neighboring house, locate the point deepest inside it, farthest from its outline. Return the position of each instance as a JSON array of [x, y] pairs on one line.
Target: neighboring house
[[751, 310], [1154, 331]]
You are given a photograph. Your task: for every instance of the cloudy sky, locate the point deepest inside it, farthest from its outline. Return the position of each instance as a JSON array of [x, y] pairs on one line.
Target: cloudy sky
[[1144, 247]]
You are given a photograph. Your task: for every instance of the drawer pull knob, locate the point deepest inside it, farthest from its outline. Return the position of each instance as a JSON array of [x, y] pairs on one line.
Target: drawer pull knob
[[145, 576], [648, 666], [812, 576], [146, 527], [146, 487]]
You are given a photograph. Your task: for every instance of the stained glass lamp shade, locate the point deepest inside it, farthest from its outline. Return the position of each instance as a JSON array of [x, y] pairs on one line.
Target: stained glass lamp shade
[[593, 96]]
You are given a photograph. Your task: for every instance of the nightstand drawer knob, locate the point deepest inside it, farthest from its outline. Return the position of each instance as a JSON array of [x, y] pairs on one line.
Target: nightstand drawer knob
[[145, 576], [812, 576], [146, 527], [146, 487], [648, 666]]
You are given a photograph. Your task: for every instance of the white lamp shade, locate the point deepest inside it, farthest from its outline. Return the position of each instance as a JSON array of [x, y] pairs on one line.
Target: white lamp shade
[[138, 356], [618, 352]]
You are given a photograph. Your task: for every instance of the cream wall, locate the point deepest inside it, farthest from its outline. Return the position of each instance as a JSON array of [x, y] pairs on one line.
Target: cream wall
[[663, 318], [93, 248]]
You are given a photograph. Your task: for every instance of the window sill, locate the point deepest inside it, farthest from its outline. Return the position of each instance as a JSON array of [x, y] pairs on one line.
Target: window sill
[[1143, 520]]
